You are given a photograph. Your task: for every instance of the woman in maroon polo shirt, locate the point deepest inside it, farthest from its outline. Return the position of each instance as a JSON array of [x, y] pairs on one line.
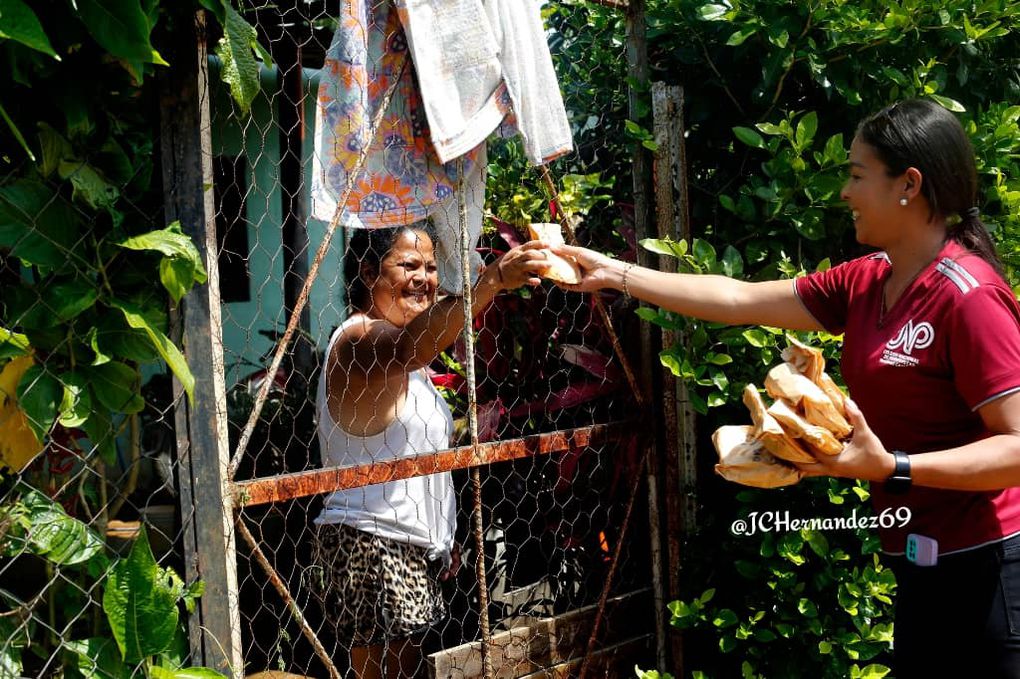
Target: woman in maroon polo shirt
[[931, 355]]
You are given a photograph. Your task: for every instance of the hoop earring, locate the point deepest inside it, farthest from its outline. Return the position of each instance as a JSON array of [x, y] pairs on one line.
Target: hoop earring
[[903, 202]]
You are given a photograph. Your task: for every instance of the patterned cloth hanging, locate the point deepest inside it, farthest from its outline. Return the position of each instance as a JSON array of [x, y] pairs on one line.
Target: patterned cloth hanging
[[402, 181]]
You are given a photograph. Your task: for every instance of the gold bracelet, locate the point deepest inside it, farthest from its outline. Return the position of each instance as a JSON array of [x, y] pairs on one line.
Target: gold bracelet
[[626, 270]]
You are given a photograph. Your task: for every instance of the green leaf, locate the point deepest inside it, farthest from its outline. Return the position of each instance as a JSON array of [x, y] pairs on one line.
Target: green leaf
[[191, 595], [807, 608], [771, 129], [712, 12], [732, 262], [55, 149], [171, 242], [100, 431], [171, 354], [54, 535], [185, 673], [68, 298], [182, 265], [93, 339], [13, 638], [177, 275], [948, 103], [114, 337], [36, 224], [76, 404], [755, 337], [806, 129], [749, 137], [740, 35], [873, 671], [17, 133], [665, 246], [817, 542], [725, 618], [19, 23], [240, 70], [140, 603], [13, 344], [96, 658], [116, 386], [39, 395], [835, 151], [90, 186], [718, 359], [120, 27]]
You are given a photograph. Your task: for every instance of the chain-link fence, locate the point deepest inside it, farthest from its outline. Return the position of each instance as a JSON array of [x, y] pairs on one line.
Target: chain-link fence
[[371, 439]]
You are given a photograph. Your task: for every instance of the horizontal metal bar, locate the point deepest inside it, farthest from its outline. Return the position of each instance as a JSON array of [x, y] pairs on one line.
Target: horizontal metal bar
[[317, 481]]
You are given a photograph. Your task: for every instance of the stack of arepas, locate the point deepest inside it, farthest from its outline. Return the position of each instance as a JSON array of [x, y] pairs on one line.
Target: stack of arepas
[[806, 420]]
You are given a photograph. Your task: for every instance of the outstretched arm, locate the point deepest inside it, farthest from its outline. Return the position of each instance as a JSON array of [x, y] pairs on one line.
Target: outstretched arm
[[377, 345], [711, 298]]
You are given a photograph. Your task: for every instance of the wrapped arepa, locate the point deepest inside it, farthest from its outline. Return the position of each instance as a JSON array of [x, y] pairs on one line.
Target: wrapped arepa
[[818, 438], [809, 362], [744, 460], [784, 382], [562, 269], [768, 430]]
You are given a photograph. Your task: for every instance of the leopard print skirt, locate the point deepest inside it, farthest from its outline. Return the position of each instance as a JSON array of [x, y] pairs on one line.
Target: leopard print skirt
[[372, 589]]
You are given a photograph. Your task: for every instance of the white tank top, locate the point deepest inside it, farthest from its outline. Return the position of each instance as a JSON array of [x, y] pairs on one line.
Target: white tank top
[[421, 510]]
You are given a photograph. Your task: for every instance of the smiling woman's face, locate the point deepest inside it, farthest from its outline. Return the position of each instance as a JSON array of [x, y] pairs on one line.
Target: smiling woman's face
[[407, 280], [873, 196]]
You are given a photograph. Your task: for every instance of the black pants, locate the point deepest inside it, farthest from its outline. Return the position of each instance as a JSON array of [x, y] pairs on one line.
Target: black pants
[[961, 617]]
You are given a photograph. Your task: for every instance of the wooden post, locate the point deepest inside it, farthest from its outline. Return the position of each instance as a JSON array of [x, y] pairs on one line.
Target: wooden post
[[678, 416], [637, 72], [202, 446]]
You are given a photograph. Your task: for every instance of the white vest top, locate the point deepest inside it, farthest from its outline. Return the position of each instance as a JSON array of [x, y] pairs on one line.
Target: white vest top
[[420, 511]]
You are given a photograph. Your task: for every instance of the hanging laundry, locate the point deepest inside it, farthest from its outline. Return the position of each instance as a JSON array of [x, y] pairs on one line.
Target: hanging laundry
[[402, 180], [472, 57]]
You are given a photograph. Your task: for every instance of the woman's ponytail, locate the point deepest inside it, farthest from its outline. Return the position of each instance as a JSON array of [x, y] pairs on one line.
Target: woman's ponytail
[[970, 232]]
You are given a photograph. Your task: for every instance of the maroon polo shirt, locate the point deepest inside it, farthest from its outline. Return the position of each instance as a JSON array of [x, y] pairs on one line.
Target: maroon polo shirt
[[920, 372]]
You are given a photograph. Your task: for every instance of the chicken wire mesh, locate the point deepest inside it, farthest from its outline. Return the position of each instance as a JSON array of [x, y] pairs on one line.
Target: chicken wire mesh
[[87, 448], [537, 399]]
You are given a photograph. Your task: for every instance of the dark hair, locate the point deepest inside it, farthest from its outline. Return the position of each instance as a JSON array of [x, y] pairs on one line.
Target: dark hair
[[922, 134], [366, 248]]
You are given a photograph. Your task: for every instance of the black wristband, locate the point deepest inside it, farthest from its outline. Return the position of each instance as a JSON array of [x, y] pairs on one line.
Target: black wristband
[[899, 481]]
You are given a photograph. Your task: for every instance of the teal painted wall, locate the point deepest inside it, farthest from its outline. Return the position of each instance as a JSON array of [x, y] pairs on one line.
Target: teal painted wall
[[257, 138]]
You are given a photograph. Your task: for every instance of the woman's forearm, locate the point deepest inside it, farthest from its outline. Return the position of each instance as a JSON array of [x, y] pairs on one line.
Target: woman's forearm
[[716, 298], [989, 464]]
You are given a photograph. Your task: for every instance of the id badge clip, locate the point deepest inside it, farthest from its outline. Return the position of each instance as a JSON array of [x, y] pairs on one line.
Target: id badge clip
[[922, 550]]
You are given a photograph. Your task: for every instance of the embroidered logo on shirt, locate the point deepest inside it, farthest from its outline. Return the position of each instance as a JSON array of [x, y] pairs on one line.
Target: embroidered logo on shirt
[[909, 338]]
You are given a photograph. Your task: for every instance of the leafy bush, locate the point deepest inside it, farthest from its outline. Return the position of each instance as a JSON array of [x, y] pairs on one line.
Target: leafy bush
[[88, 273], [773, 93], [141, 634]]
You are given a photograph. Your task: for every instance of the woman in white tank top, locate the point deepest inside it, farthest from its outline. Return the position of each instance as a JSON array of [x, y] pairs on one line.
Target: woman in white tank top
[[382, 549]]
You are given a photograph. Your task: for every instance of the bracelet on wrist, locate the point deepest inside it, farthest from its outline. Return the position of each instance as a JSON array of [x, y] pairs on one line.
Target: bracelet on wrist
[[623, 280]]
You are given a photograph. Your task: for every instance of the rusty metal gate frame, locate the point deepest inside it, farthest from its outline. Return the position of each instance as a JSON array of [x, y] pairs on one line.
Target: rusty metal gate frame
[[193, 200]]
